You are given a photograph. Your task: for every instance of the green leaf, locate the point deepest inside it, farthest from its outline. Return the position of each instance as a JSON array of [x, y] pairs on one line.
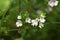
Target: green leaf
[[4, 5]]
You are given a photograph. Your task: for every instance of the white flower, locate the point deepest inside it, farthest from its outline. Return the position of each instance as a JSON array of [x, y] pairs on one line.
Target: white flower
[[39, 11], [19, 23], [50, 3], [49, 9], [53, 3], [19, 17], [41, 25], [34, 22], [42, 20], [28, 20], [56, 3]]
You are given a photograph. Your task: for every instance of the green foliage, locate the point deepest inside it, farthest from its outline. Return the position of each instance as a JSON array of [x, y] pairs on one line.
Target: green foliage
[[4, 5], [10, 9]]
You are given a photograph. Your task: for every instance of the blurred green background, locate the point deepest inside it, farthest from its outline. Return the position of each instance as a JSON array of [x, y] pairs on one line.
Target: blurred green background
[[10, 9]]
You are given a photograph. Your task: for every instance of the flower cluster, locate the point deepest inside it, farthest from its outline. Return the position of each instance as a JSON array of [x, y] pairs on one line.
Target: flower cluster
[[34, 22], [53, 3], [38, 22], [19, 22]]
